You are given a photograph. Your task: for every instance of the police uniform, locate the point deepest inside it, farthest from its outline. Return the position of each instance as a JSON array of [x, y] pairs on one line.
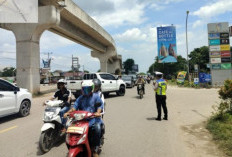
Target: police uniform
[[160, 89]]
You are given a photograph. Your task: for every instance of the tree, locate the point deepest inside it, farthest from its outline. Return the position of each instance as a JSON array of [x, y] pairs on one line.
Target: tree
[[128, 64], [169, 69], [199, 56], [7, 72]]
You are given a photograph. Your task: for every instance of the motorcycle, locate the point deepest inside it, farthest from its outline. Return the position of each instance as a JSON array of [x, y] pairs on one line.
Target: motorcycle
[[148, 80], [140, 88], [51, 131], [78, 137]]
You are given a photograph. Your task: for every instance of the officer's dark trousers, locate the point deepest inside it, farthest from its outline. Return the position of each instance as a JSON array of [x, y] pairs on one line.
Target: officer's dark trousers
[[161, 101]]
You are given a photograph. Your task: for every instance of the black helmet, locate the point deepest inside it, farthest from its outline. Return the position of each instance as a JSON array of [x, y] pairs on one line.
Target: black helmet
[[97, 85]]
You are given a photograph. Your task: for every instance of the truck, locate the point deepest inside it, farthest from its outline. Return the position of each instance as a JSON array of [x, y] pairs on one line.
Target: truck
[[110, 84]]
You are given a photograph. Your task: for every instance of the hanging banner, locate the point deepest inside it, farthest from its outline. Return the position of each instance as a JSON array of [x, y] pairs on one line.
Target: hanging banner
[[226, 66], [225, 53], [225, 47], [215, 54], [215, 60], [215, 48], [216, 66], [214, 35], [214, 42], [167, 51]]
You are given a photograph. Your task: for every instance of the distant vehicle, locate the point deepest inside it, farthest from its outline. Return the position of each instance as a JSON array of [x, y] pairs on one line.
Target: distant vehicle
[[14, 99], [134, 77], [128, 80], [109, 84]]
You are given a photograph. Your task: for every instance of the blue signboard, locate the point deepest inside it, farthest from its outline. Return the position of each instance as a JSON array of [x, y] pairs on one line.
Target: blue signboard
[[167, 51], [214, 42], [203, 77], [214, 35]]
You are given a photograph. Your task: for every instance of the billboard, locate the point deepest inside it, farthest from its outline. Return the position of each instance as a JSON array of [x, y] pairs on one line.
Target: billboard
[[226, 66], [215, 60], [46, 63], [214, 42], [167, 51], [218, 27], [181, 76], [135, 68]]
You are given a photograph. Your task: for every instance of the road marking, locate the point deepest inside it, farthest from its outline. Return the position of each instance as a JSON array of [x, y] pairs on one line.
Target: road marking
[[8, 129]]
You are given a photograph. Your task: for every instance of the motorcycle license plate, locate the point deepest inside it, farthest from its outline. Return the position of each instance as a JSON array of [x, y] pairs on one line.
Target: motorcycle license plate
[[78, 130]]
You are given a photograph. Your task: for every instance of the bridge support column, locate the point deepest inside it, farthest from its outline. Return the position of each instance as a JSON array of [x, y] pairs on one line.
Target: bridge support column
[[28, 47], [104, 59]]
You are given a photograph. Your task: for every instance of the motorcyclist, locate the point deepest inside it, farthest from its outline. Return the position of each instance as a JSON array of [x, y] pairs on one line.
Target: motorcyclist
[[91, 102], [140, 81], [97, 89], [65, 95]]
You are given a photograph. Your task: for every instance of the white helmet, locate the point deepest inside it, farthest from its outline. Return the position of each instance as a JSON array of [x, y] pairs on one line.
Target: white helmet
[[87, 87], [61, 81]]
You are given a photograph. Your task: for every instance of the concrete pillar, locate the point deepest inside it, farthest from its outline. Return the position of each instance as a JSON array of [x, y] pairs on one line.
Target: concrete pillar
[[28, 48], [104, 58]]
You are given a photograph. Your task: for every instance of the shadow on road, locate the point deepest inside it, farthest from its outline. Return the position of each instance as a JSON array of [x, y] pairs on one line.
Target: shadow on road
[[151, 118], [9, 118], [111, 96], [57, 144]]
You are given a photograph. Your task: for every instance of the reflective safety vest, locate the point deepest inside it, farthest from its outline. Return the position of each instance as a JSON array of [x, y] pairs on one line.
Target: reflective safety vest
[[162, 86]]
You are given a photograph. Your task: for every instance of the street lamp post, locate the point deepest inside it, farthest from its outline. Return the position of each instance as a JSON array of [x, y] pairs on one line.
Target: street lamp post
[[187, 42]]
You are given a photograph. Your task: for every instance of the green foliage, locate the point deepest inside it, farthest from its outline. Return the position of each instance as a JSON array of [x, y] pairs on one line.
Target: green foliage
[[226, 91], [199, 56], [7, 72], [128, 64], [170, 69], [221, 129]]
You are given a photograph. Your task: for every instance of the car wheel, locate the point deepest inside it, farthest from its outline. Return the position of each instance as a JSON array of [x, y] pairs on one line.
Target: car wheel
[[25, 107], [121, 91]]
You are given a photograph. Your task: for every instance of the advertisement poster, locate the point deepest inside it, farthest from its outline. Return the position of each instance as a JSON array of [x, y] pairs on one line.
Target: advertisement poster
[[167, 51], [215, 60], [214, 42], [216, 66], [226, 66], [181, 77]]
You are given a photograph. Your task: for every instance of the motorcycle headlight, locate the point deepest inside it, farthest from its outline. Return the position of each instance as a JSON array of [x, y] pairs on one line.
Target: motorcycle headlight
[[79, 116], [50, 113]]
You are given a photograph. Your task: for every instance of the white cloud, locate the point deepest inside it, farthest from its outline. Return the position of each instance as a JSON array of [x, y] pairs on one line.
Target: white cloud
[[214, 8], [133, 34]]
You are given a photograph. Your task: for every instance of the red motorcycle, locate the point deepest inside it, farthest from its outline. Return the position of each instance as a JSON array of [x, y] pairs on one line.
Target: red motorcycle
[[78, 134]]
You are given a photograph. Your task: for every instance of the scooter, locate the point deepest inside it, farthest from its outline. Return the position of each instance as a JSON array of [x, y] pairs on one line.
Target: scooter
[[140, 87], [78, 134], [51, 129]]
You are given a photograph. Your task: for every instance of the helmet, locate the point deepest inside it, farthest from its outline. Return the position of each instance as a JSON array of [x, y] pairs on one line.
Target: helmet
[[61, 81], [87, 87], [97, 85]]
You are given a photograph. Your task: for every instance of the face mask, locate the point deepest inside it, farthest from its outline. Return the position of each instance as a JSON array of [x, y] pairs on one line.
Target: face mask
[[87, 90]]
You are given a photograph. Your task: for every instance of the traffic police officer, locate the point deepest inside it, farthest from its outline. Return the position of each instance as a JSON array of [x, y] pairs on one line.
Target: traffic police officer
[[160, 87]]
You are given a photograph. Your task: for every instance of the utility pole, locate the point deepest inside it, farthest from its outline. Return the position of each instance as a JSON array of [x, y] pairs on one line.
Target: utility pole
[[187, 43]]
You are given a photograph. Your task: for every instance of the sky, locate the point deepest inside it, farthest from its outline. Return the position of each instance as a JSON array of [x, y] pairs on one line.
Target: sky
[[132, 24]]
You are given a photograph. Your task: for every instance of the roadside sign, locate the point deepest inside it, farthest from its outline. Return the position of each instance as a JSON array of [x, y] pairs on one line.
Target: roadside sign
[[196, 80], [181, 76], [215, 54], [224, 41], [215, 60], [207, 78], [218, 27], [214, 42], [225, 53], [226, 60], [225, 47], [226, 66], [216, 66], [215, 48], [214, 35], [224, 35], [208, 65]]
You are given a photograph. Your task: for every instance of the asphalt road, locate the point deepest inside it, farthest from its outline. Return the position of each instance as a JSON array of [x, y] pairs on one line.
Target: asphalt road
[[131, 128]]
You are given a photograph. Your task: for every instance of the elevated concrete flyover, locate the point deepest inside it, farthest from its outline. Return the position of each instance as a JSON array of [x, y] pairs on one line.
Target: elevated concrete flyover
[[69, 21]]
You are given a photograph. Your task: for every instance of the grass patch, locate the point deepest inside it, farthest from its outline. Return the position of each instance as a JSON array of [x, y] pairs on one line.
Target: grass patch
[[221, 129]]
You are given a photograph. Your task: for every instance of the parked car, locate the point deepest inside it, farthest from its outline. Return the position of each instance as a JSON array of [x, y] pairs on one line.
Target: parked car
[[128, 80], [134, 77], [109, 84], [14, 99]]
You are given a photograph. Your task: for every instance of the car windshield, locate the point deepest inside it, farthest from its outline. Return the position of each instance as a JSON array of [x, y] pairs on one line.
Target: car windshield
[[126, 78]]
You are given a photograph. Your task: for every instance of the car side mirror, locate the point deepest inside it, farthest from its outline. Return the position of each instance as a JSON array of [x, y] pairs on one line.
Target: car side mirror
[[16, 90]]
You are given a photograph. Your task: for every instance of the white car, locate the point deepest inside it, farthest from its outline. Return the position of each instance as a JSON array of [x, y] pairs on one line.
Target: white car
[[109, 84], [14, 99]]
